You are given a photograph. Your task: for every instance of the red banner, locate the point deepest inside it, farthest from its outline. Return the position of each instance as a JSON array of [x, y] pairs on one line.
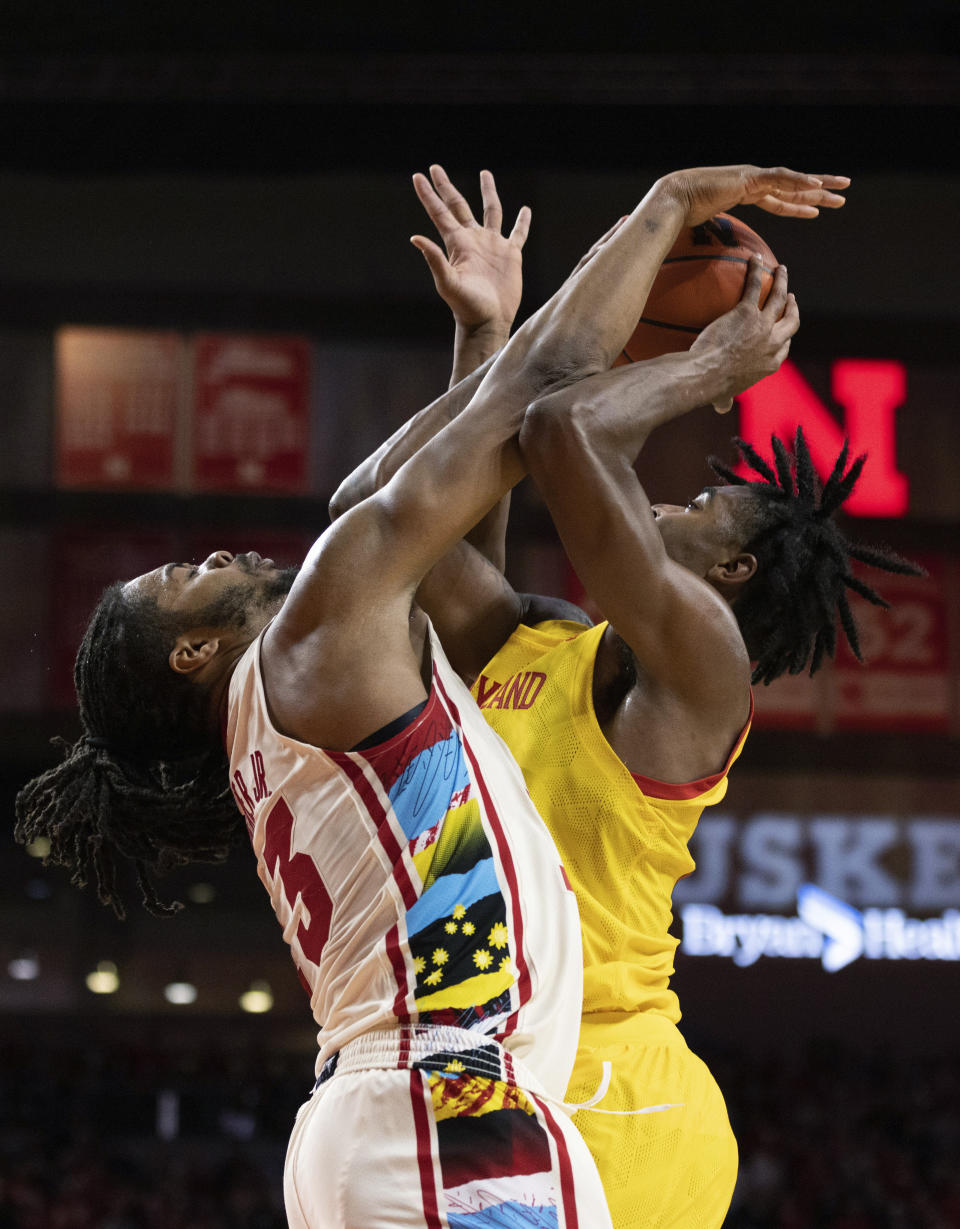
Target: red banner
[[251, 424], [905, 683], [119, 394], [791, 702], [905, 680]]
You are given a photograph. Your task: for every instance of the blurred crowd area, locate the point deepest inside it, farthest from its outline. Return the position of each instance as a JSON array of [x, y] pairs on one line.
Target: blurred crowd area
[[107, 1137], [838, 1139], [126, 1137]]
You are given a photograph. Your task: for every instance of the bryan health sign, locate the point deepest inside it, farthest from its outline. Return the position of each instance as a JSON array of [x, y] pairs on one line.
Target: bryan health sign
[[849, 881]]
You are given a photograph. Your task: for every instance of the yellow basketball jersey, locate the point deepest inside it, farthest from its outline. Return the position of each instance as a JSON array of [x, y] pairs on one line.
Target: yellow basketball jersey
[[623, 840], [622, 837]]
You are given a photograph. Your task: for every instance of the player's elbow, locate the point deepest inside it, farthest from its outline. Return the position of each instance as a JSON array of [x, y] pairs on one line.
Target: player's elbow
[[556, 360], [338, 503], [353, 490], [552, 428]]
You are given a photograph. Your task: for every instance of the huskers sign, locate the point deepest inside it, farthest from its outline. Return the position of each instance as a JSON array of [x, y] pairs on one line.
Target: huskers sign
[[837, 890]]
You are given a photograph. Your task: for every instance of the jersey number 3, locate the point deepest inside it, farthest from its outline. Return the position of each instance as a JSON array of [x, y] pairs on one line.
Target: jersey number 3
[[299, 876]]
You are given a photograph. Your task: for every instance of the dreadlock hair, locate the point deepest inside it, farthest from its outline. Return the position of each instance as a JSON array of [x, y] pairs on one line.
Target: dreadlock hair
[[148, 778], [787, 612]]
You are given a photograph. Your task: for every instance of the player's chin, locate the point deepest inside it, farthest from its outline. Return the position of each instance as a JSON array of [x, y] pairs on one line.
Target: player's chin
[[280, 584]]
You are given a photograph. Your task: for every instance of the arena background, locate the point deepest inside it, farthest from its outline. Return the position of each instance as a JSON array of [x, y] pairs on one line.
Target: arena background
[[204, 217]]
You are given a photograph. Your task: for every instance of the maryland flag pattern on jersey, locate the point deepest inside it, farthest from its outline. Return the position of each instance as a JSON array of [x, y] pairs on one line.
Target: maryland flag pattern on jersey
[[457, 942], [494, 1150]]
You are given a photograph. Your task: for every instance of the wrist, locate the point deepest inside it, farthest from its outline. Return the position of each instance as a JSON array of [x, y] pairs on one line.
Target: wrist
[[710, 371], [487, 337], [673, 191]]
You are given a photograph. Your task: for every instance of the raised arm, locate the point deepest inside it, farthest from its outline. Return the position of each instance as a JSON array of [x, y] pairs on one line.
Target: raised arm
[[351, 599], [478, 274], [581, 444], [379, 467], [472, 606], [491, 287], [695, 196]]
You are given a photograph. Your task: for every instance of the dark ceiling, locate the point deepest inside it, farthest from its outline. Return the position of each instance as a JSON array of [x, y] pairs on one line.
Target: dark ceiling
[[113, 88]]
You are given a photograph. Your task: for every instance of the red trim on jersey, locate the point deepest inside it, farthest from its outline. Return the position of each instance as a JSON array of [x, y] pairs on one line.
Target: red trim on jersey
[[692, 789], [568, 1191], [506, 859], [390, 759], [375, 809], [395, 851], [399, 966], [419, 1092]]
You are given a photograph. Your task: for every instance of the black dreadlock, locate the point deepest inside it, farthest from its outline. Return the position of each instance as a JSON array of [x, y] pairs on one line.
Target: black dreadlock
[[148, 778], [788, 612]]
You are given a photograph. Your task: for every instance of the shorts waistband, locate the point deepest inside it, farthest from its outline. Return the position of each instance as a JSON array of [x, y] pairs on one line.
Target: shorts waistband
[[455, 1053], [441, 1048]]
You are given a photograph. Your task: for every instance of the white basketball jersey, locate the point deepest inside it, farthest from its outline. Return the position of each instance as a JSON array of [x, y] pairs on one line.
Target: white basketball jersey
[[414, 880]]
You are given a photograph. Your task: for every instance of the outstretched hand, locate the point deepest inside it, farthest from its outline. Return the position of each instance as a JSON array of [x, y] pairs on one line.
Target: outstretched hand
[[752, 340], [708, 190], [480, 274]]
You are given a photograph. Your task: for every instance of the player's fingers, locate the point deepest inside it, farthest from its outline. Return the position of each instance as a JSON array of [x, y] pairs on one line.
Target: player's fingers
[[786, 209], [777, 298], [754, 280], [521, 228], [492, 209], [437, 211], [789, 322], [830, 200], [786, 327], [835, 181], [434, 256], [453, 199], [819, 197], [773, 178]]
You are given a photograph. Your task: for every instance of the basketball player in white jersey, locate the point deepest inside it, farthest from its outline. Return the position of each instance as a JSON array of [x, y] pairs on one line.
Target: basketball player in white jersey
[[424, 904]]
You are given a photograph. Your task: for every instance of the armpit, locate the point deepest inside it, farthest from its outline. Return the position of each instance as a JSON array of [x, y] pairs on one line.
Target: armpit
[[614, 675], [538, 608]]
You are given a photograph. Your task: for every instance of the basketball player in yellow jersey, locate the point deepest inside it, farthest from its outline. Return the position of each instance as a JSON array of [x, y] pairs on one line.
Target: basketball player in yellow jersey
[[624, 736]]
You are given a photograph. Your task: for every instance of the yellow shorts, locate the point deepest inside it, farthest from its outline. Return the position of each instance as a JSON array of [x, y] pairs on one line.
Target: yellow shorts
[[672, 1169]]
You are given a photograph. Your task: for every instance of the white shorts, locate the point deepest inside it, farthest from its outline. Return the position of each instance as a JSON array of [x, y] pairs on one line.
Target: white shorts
[[436, 1128]]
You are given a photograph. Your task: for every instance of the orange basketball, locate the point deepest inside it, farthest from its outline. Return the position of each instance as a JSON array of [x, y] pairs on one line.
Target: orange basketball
[[701, 278]]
